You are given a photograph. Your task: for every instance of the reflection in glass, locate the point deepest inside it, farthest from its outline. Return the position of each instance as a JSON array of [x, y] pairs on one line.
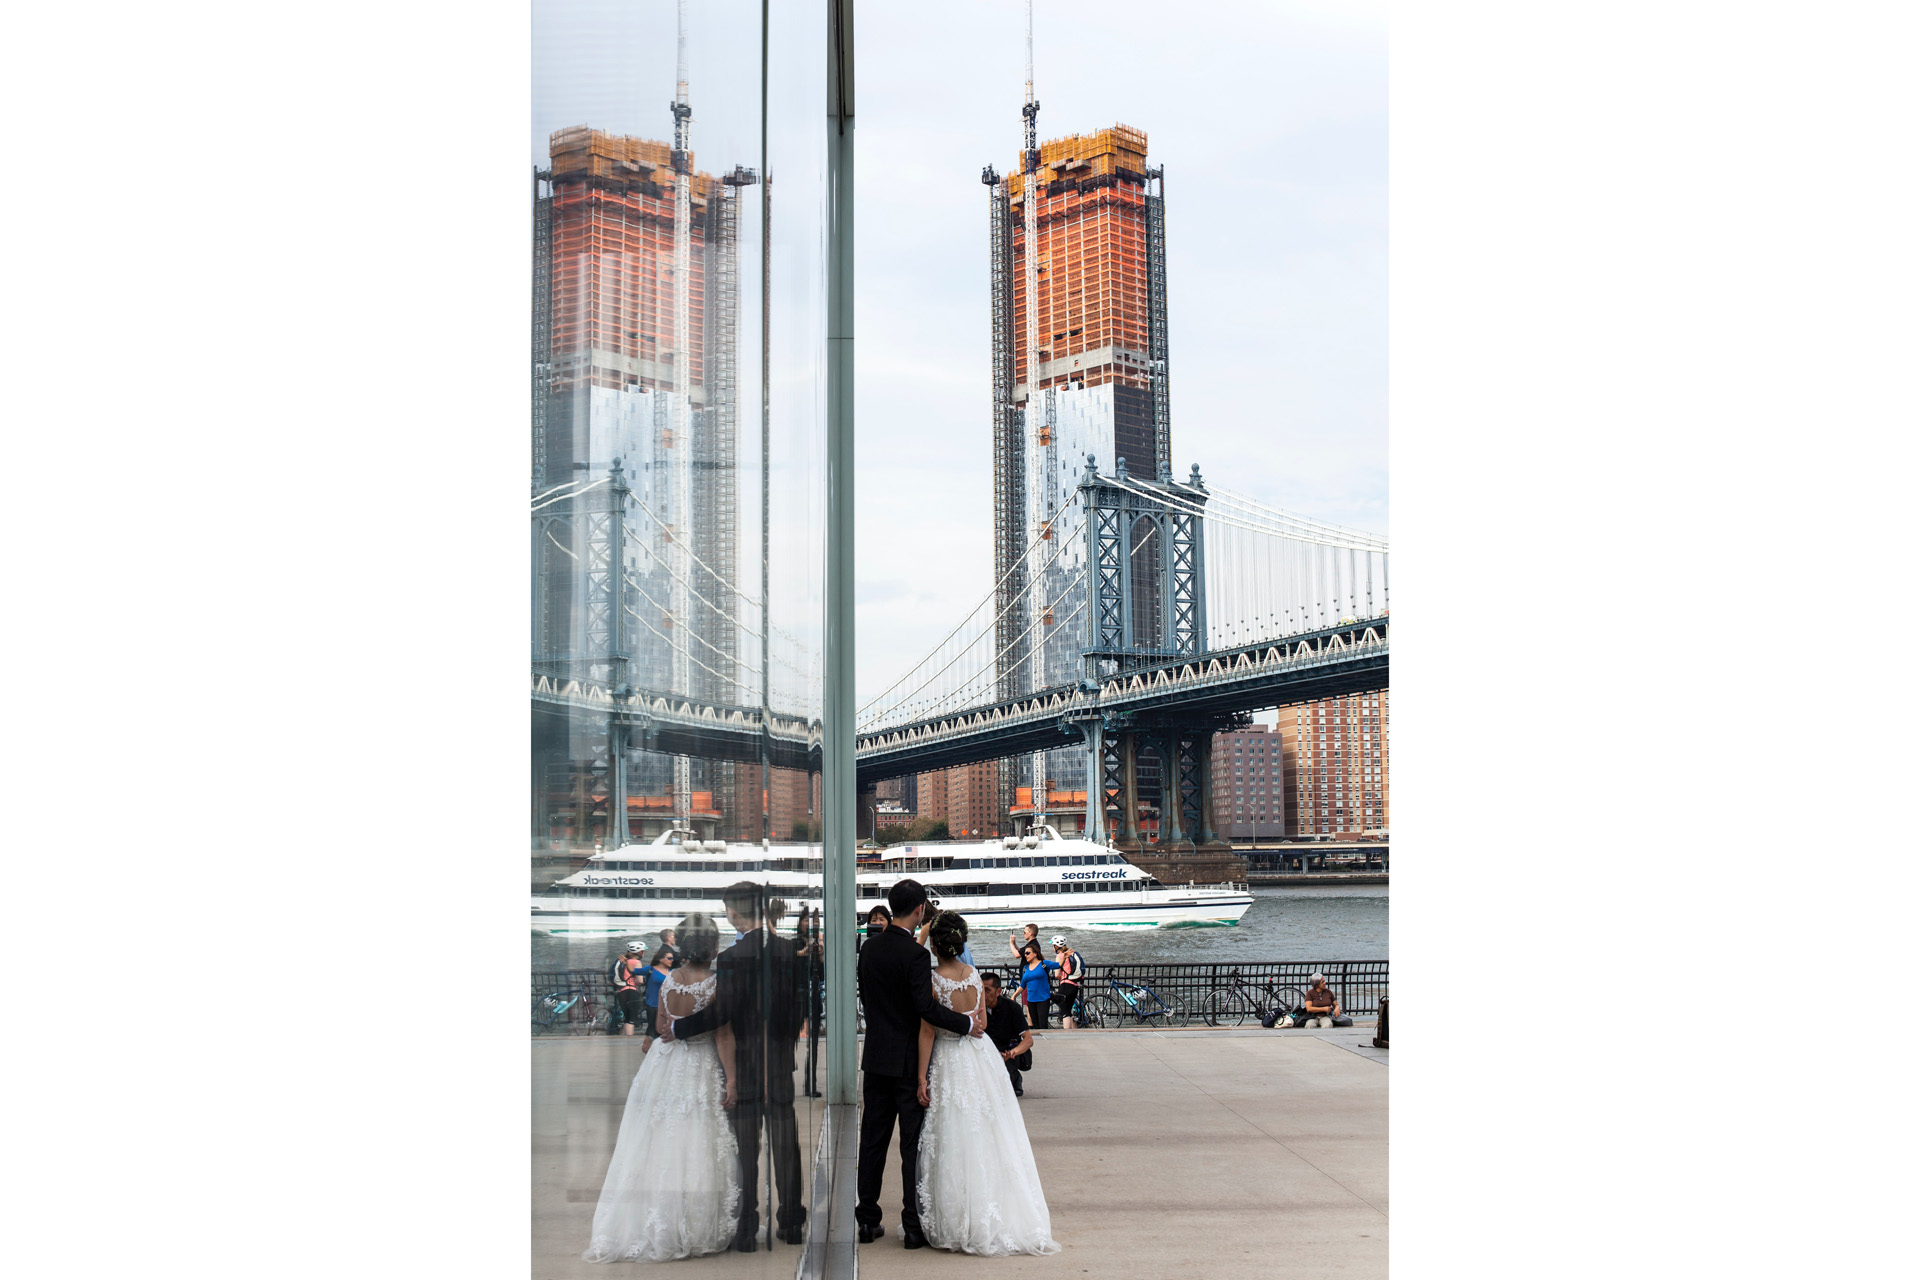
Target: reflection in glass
[[676, 547]]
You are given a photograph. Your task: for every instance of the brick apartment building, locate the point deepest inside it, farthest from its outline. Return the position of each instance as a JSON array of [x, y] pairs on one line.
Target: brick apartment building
[[1322, 770]]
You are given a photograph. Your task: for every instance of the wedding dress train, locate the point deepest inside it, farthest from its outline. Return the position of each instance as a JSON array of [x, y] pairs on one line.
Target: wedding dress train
[[673, 1188], [979, 1190]]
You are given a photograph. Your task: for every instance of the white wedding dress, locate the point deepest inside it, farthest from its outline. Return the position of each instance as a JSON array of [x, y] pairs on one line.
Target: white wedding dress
[[979, 1189], [673, 1188]]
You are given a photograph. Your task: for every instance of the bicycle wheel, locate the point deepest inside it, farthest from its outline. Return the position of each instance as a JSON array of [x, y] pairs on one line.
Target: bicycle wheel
[[1105, 1010], [1222, 1009]]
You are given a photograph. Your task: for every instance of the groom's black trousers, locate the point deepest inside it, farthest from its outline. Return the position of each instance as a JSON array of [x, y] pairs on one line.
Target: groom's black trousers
[[783, 1143], [883, 1100]]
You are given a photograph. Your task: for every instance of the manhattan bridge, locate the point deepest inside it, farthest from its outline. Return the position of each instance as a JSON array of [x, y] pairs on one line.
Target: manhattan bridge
[[1184, 607]]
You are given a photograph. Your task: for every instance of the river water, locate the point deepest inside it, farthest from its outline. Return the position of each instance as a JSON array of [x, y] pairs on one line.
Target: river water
[[1311, 922]]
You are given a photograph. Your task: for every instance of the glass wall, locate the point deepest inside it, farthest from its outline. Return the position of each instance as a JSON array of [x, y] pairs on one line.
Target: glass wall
[[677, 549]]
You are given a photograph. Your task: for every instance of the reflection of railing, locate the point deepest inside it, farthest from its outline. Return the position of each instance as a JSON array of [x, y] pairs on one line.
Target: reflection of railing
[[1358, 984], [689, 726]]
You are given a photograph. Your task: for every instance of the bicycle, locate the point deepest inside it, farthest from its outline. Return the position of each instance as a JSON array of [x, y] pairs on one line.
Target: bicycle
[[1240, 1000], [1130, 1004], [553, 1009], [574, 1013], [596, 1016]]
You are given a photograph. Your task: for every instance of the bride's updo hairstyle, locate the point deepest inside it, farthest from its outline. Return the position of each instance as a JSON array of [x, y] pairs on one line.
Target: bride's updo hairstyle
[[699, 938], [949, 934]]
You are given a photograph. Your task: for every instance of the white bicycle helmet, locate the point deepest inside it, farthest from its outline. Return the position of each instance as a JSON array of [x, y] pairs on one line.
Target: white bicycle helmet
[[1057, 940], [637, 947]]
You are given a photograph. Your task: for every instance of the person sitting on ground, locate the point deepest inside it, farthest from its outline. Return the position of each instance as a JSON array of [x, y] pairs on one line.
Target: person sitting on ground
[[1007, 1029], [1322, 1005], [1066, 997]]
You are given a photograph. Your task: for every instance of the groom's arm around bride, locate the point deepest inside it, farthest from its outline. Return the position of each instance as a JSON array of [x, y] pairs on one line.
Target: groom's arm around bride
[[896, 989]]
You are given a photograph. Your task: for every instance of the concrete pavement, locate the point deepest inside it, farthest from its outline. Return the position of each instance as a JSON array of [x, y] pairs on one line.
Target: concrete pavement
[[1212, 1153], [1216, 1153]]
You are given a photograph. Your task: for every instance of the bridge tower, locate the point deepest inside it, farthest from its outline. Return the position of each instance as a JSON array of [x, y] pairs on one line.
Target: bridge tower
[[1147, 603]]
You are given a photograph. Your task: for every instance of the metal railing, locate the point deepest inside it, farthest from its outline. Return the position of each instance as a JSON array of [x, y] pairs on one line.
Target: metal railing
[[1358, 984]]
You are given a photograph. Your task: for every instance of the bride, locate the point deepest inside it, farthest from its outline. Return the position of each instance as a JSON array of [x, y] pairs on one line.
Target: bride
[[979, 1190], [673, 1189]]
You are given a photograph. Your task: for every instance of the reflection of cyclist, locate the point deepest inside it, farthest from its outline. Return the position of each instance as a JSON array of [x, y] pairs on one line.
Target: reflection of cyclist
[[626, 984], [1066, 997]]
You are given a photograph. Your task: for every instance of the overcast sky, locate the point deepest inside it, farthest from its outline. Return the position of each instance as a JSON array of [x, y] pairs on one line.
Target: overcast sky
[[1270, 119]]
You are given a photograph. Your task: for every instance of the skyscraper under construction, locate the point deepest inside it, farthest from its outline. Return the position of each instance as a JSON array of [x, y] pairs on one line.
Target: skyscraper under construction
[[1078, 286], [636, 297]]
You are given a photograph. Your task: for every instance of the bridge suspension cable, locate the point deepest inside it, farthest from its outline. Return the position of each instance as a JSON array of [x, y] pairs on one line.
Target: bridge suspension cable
[[1309, 530], [922, 710], [1270, 574], [1044, 535], [538, 504]]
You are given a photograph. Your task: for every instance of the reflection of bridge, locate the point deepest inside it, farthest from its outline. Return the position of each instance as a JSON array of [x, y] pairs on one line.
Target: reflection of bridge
[[1157, 667], [682, 726]]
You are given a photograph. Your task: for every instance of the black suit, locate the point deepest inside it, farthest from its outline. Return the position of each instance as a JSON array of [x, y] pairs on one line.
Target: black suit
[[762, 996], [896, 989]]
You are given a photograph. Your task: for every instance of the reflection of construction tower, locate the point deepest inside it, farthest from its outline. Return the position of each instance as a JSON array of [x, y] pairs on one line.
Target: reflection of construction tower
[[1079, 368], [634, 357]]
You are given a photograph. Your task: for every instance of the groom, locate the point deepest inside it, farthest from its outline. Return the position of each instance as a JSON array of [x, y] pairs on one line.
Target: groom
[[762, 996], [896, 989]]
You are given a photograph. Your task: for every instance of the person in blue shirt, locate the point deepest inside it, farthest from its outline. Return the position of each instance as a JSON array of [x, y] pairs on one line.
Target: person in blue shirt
[[656, 974], [1036, 983]]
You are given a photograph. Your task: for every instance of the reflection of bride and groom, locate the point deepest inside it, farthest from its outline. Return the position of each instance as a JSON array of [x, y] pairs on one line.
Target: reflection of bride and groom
[[683, 1177]]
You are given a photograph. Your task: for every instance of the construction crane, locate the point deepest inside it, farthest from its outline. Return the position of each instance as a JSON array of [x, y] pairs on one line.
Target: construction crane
[[1038, 423], [683, 395]]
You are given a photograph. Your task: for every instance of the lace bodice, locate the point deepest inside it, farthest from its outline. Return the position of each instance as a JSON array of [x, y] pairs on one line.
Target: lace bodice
[[702, 992], [944, 989]]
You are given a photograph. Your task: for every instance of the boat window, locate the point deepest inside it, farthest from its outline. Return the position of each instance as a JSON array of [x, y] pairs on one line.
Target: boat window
[[1053, 862]]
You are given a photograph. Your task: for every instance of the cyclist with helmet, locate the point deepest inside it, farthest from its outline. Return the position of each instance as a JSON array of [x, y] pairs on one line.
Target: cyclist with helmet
[[627, 991], [1066, 996]]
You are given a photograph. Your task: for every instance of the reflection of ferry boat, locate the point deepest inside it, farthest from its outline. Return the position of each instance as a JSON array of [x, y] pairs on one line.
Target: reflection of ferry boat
[[1004, 883]]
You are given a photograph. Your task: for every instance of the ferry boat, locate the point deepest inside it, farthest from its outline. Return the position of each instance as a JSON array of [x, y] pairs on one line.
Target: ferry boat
[[1039, 878]]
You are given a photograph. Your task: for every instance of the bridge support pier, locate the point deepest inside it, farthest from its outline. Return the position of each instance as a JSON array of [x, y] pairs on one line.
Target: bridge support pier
[[619, 834], [1094, 825], [1173, 798], [1203, 760], [1130, 788]]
